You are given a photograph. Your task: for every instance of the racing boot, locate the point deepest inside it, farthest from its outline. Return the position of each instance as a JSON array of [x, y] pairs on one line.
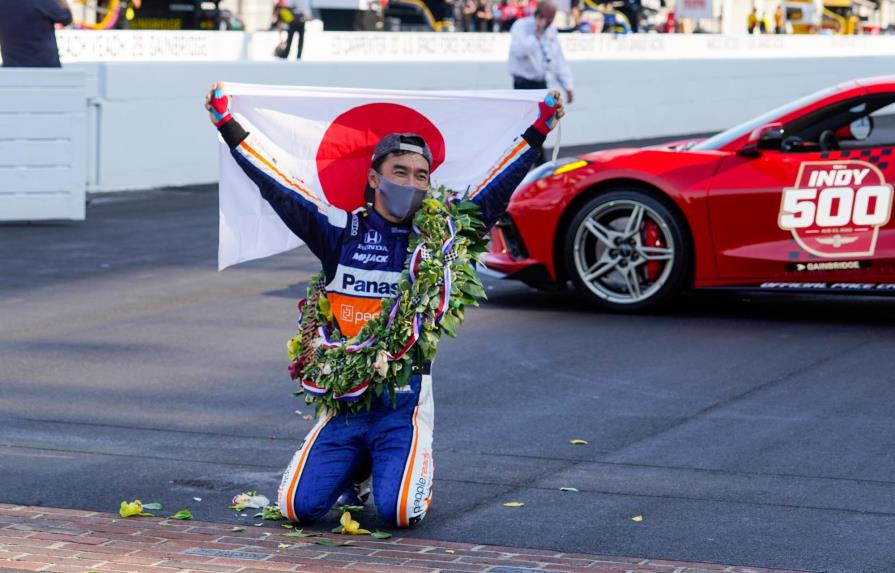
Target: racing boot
[[356, 495]]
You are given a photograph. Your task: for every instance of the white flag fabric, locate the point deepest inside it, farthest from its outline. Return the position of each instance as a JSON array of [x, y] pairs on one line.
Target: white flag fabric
[[324, 137]]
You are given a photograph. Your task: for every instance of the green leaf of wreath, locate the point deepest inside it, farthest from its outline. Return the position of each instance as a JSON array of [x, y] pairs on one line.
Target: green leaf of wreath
[[336, 370]]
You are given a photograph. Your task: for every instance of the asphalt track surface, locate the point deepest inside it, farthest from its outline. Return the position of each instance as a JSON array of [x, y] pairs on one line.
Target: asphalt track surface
[[752, 430]]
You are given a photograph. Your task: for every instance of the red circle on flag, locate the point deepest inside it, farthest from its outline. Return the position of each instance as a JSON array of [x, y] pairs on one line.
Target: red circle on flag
[[343, 157]]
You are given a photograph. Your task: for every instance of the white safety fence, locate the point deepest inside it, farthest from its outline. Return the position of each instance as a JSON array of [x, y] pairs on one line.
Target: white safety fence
[[147, 127], [43, 144]]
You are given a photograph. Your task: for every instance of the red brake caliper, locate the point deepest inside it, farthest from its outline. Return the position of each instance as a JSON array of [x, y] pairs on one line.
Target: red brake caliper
[[652, 238]]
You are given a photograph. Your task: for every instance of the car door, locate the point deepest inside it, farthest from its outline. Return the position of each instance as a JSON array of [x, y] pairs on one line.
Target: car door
[[815, 210]]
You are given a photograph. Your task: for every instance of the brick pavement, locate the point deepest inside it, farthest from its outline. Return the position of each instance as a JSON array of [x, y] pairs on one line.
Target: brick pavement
[[73, 541]]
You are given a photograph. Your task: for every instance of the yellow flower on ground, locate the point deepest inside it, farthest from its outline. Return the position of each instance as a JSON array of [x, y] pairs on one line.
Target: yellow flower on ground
[[132, 509], [351, 527]]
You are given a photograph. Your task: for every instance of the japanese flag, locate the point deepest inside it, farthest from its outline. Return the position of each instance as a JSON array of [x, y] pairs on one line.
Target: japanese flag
[[326, 136]]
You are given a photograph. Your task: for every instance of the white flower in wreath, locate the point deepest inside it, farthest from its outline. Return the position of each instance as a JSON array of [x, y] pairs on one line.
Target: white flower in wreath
[[380, 365], [327, 369]]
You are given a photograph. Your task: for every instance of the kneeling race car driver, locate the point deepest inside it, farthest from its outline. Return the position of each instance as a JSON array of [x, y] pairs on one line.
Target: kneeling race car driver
[[394, 442]]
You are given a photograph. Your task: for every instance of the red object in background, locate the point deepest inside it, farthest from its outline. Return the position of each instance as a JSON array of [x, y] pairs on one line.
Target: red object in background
[[765, 218], [343, 158], [670, 23]]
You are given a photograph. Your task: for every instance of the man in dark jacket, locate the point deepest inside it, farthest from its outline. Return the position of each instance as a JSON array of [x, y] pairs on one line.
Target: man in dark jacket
[[28, 32], [289, 15]]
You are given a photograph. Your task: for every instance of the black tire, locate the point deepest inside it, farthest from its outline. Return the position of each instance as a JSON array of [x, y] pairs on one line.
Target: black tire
[[602, 232]]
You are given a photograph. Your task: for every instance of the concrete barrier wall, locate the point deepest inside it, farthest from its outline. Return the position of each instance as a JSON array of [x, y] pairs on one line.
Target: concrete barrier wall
[[153, 131], [43, 132], [147, 127]]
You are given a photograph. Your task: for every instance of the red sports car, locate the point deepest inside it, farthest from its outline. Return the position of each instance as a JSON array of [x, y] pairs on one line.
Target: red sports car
[[795, 199]]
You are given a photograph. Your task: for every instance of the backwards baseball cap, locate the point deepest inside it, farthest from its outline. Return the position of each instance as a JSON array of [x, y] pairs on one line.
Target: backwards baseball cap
[[401, 142]]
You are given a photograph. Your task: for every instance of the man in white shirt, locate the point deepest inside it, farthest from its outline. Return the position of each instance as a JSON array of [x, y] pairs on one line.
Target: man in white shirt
[[535, 52]]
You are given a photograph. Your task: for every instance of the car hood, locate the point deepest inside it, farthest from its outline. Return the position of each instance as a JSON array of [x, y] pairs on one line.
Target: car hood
[[676, 145], [679, 144]]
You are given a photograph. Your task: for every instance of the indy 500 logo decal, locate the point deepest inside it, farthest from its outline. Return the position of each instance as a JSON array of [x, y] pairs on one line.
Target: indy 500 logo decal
[[836, 208]]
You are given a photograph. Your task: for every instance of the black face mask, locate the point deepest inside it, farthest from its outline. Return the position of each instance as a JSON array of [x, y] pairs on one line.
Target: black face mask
[[400, 201]]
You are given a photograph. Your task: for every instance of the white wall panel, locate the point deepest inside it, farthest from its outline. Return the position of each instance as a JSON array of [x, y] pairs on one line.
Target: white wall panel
[[146, 126], [43, 127], [153, 130]]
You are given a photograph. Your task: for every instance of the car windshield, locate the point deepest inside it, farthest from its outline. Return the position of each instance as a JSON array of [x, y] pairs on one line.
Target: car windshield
[[721, 139]]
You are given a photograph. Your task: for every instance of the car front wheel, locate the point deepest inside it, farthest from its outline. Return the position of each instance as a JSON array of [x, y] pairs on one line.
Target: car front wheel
[[626, 251]]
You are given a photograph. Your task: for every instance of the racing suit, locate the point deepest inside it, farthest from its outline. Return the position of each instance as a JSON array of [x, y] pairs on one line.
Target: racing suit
[[363, 256]]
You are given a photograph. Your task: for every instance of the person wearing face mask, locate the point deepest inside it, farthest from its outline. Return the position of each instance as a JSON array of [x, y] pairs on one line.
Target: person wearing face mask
[[364, 253]]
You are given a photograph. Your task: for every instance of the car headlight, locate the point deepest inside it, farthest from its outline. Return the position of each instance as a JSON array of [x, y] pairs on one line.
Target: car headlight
[[551, 168]]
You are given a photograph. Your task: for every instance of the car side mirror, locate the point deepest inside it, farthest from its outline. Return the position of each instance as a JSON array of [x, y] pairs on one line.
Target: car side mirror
[[767, 136]]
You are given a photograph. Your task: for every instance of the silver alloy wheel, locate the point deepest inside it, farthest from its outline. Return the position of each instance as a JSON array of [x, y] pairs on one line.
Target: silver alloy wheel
[[610, 256]]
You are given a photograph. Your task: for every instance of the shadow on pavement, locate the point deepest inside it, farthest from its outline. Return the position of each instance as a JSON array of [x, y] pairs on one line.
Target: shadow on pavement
[[828, 309]]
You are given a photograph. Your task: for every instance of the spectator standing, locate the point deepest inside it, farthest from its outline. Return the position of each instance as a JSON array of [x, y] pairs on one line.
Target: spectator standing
[[528, 8], [28, 32], [484, 16], [127, 12], [287, 14], [778, 20], [633, 10], [507, 15], [752, 21], [468, 8], [535, 52]]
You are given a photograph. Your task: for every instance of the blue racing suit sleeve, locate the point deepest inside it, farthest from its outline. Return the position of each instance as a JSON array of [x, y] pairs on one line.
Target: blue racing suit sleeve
[[313, 220], [493, 194]]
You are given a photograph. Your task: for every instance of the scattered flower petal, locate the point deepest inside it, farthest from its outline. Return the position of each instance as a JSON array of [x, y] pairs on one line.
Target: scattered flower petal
[[513, 504], [283, 546], [301, 533], [568, 489], [272, 512], [197, 499], [346, 507], [577, 442], [249, 499], [238, 529], [328, 543], [380, 365], [451, 551], [637, 518]]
